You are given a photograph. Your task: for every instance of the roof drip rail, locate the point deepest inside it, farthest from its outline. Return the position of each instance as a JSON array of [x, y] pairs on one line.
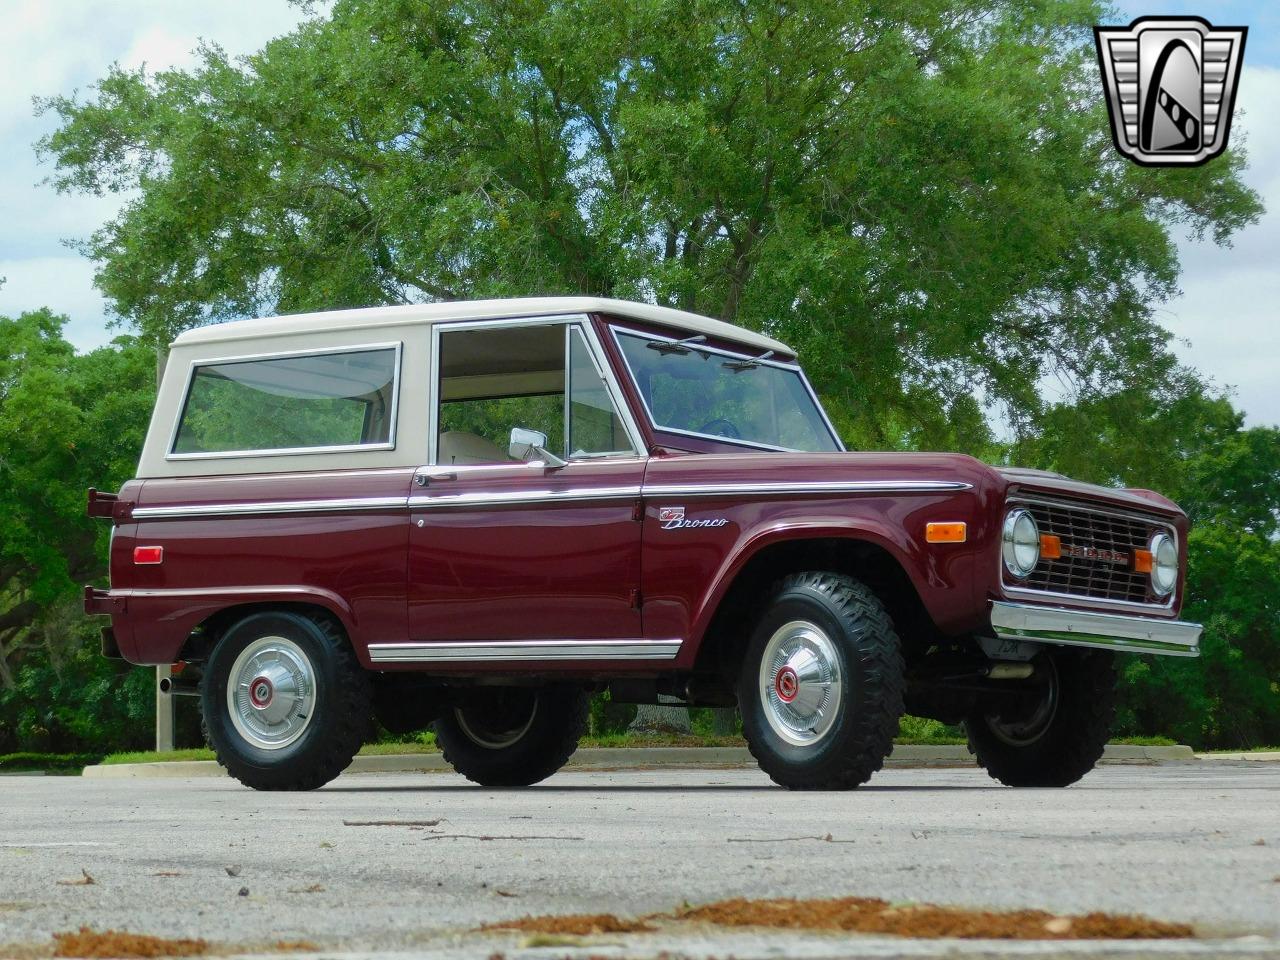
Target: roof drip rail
[[681, 347]]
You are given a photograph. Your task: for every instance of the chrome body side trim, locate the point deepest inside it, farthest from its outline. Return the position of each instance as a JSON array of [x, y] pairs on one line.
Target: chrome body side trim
[[1083, 628], [390, 444], [345, 505], [495, 498], [486, 650], [814, 488], [498, 498]]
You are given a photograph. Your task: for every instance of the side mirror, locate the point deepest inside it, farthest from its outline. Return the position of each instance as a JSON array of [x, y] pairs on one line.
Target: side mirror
[[530, 445]]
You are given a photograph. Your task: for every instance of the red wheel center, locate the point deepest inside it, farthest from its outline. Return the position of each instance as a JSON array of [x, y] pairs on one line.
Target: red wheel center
[[260, 692], [786, 684]]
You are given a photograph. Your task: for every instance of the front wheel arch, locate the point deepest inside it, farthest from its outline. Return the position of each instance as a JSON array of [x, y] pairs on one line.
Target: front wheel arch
[[722, 646]]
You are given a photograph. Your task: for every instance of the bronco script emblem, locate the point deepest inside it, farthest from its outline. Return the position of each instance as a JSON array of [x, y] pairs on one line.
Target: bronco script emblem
[[672, 518], [1094, 553], [1170, 85]]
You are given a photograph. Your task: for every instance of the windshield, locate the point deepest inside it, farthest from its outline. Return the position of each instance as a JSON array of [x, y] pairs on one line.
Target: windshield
[[691, 389]]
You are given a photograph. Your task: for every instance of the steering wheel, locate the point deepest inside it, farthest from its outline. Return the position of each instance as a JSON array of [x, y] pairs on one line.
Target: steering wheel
[[727, 428]]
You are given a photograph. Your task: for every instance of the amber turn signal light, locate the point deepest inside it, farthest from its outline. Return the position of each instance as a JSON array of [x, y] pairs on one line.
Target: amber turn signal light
[[1050, 546], [1142, 561], [946, 532], [148, 555]]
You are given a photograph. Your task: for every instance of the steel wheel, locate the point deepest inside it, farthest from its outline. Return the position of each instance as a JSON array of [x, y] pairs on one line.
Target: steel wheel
[[271, 693], [496, 729], [1020, 731], [800, 683]]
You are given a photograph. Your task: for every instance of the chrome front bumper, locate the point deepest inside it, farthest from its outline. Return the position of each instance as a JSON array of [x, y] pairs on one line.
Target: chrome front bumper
[[1083, 628]]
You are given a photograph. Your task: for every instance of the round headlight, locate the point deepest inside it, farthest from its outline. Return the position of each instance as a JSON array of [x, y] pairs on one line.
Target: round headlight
[[1020, 543], [1164, 564]]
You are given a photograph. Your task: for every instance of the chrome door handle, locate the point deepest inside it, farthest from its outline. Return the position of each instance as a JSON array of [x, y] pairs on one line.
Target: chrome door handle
[[422, 479]]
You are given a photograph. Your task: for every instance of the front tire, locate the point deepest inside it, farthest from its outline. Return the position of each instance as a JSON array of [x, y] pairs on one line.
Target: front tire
[[286, 703], [513, 736], [1056, 737], [821, 684]]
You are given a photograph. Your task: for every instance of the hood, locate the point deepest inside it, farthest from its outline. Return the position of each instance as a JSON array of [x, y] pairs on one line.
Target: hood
[[803, 468]]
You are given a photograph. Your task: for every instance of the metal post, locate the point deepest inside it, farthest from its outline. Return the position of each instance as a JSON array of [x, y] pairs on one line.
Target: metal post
[[165, 727]]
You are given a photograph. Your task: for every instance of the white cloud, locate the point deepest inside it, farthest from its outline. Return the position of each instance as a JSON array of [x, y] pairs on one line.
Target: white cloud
[[49, 48], [64, 285], [1229, 313]]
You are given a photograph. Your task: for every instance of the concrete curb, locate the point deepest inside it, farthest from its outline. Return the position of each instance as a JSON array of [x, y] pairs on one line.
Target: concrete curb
[[618, 758], [1257, 756]]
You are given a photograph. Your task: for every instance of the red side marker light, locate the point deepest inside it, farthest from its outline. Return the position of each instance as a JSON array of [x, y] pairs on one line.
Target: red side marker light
[[148, 555]]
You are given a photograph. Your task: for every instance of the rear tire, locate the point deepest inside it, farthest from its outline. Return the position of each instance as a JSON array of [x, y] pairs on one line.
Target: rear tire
[[513, 736], [821, 684], [1056, 739], [285, 702]]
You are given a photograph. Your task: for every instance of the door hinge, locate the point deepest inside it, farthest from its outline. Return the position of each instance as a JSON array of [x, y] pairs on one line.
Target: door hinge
[[637, 510], [634, 597]]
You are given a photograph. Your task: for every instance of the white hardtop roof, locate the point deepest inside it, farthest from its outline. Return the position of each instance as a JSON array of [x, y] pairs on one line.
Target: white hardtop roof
[[373, 317]]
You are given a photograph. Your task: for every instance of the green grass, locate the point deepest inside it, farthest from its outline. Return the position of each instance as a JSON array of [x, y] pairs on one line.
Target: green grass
[[915, 731], [46, 762]]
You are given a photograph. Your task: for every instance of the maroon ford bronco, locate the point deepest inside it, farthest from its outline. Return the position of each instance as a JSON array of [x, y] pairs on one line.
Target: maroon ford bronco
[[477, 514]]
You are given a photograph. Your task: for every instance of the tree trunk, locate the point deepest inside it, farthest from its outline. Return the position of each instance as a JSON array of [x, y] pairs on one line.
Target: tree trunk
[[724, 721], [661, 718]]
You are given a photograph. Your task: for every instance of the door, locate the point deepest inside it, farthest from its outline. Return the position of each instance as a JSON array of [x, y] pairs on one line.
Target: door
[[535, 558]]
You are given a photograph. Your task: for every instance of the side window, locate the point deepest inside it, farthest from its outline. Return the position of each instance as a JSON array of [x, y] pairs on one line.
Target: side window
[[536, 376], [341, 399], [594, 429]]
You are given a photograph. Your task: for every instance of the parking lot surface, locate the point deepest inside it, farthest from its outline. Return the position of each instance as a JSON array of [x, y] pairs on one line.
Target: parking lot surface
[[389, 863]]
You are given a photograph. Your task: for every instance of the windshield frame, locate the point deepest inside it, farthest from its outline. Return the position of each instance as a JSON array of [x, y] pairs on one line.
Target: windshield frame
[[617, 330]]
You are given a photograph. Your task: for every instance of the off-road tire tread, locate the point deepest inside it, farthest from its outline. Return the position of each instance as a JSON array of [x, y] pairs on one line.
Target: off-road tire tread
[[548, 756], [1077, 736], [879, 659], [349, 722]]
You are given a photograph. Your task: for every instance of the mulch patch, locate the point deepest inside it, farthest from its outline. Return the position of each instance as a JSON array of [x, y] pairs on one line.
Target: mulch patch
[[869, 915], [578, 925], [89, 943]]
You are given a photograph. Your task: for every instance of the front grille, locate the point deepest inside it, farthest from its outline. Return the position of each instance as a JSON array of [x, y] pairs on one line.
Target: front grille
[[1082, 527]]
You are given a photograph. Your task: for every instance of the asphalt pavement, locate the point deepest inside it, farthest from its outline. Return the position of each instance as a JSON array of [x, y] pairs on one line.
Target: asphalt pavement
[[380, 864]]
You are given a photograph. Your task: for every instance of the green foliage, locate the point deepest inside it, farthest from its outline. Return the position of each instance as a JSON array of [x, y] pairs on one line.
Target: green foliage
[[1196, 450], [48, 762], [922, 197], [67, 422]]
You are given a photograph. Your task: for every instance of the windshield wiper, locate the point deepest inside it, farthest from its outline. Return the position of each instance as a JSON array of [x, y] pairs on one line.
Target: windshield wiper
[[737, 366], [666, 347]]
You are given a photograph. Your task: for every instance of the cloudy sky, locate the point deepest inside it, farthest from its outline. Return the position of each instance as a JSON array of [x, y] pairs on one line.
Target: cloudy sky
[[1227, 321]]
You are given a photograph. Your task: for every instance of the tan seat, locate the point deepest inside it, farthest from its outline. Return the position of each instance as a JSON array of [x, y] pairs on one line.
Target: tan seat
[[458, 446]]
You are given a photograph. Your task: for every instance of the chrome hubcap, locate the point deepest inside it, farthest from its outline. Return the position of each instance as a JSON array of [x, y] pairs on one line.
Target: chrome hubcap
[[800, 683], [271, 693]]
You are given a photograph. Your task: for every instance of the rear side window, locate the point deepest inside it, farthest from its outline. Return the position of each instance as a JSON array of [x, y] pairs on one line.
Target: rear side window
[[302, 403]]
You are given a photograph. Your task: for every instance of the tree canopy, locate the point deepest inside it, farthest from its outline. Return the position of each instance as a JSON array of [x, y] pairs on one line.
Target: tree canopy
[[922, 197]]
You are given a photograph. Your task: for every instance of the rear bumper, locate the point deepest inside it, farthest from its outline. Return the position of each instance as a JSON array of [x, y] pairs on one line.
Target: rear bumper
[[1084, 628]]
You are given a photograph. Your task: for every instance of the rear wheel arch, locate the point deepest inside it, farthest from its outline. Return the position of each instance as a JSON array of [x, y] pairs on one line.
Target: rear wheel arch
[[865, 559], [202, 639]]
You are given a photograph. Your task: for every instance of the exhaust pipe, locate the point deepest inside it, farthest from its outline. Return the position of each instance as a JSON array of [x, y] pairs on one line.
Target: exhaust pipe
[[1009, 671], [180, 686]]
